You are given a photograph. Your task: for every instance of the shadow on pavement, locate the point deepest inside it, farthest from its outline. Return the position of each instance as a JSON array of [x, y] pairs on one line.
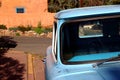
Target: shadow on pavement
[[10, 69]]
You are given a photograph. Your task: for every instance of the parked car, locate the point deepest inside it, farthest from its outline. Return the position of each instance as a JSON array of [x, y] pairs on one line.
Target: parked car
[[86, 44]]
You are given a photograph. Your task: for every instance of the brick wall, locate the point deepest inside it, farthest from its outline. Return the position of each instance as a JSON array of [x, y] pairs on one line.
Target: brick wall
[[35, 11]]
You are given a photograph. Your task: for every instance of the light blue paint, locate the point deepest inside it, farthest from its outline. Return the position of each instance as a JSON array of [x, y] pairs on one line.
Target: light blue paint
[[56, 70], [87, 11], [89, 36], [94, 56]]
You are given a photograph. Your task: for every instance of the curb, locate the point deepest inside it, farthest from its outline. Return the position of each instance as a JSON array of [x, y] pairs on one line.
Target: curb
[[30, 72]]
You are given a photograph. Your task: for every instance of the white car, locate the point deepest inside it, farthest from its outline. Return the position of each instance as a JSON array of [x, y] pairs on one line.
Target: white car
[[86, 44]]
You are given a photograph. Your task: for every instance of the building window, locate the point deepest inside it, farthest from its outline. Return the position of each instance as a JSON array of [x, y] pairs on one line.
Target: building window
[[20, 10]]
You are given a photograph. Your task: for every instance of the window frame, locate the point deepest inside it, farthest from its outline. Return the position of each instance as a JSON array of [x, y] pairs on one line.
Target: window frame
[[54, 43]]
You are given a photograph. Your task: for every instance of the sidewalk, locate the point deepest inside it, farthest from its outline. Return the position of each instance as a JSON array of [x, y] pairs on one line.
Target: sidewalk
[[21, 66]]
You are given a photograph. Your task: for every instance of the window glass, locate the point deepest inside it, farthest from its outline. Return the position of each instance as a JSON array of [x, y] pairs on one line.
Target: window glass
[[92, 40], [20, 10], [93, 29]]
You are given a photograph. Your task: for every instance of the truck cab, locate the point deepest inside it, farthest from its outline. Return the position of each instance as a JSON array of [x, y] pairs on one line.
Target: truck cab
[[85, 44]]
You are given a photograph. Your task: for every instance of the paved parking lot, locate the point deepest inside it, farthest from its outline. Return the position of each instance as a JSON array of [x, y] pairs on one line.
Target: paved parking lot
[[32, 67], [16, 65], [33, 45]]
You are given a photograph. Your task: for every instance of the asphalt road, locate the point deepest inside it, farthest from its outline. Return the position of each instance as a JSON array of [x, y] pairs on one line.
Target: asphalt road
[[33, 45]]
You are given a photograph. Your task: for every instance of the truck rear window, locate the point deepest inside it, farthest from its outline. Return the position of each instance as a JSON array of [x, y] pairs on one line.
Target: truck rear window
[[92, 40]]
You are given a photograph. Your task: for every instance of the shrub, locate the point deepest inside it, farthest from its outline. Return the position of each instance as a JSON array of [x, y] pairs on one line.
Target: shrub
[[38, 30], [29, 27], [2, 26], [17, 34], [13, 29], [46, 30], [23, 29]]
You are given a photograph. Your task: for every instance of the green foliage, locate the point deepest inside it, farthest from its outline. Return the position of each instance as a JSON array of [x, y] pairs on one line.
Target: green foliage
[[29, 27], [100, 2], [17, 34], [39, 30], [57, 5], [114, 2], [94, 2], [23, 29], [2, 26], [46, 30], [13, 29]]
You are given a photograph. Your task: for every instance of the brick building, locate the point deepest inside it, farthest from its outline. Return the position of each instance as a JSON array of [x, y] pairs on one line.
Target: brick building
[[25, 12]]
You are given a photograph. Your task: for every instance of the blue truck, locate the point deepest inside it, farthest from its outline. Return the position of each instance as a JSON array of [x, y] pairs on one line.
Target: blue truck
[[85, 44]]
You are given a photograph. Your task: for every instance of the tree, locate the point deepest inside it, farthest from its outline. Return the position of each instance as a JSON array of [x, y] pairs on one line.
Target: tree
[[93, 2], [57, 5], [114, 2]]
